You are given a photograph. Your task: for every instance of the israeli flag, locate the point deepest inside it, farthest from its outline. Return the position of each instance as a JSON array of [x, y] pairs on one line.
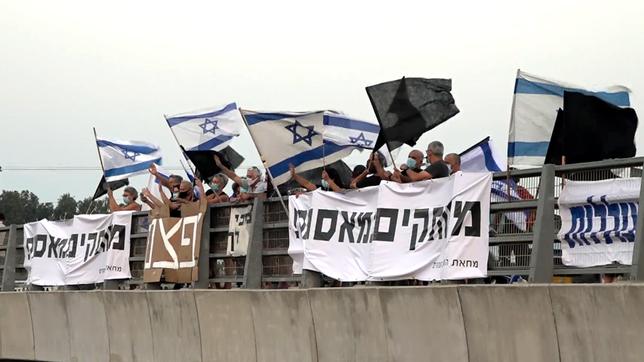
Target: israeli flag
[[344, 131], [536, 101], [207, 129], [122, 159], [483, 157], [284, 138]]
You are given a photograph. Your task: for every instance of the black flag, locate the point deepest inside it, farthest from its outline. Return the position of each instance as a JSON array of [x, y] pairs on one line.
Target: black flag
[[205, 163], [101, 189], [409, 107], [590, 129]]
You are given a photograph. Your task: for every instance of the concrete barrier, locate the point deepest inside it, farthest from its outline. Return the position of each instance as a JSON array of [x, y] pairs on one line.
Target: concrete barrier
[[455, 323], [128, 326], [423, 324], [599, 323], [348, 326], [283, 326], [87, 326], [175, 326], [509, 323], [16, 335], [52, 339], [226, 325]]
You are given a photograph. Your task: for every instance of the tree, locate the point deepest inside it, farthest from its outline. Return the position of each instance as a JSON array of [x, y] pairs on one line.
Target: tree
[[19, 207], [65, 208], [89, 206]]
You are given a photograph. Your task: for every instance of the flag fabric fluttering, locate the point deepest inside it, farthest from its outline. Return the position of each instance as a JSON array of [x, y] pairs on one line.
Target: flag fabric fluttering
[[409, 107], [204, 161], [590, 129], [207, 129], [101, 189], [296, 138], [345, 131], [122, 159], [483, 157], [534, 110]]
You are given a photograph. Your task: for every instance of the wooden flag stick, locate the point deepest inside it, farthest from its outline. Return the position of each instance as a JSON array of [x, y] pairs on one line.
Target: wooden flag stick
[[99, 155]]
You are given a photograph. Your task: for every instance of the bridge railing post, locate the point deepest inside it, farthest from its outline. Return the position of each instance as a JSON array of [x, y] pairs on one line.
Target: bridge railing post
[[254, 266], [203, 278], [637, 271], [541, 258], [9, 271]]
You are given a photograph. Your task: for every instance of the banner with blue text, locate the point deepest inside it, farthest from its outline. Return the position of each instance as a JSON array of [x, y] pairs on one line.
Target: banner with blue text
[[598, 221], [429, 230]]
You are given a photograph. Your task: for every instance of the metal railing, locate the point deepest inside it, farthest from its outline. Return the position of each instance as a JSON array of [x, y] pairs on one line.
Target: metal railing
[[531, 250]]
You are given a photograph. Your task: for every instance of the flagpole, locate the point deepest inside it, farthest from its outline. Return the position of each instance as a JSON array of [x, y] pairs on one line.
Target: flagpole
[[98, 150], [183, 151], [268, 171], [507, 164]]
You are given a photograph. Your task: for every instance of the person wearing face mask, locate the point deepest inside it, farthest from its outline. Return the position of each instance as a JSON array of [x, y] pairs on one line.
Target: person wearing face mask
[[453, 161], [216, 193], [437, 167], [414, 163], [129, 200], [252, 186], [373, 173], [330, 180]]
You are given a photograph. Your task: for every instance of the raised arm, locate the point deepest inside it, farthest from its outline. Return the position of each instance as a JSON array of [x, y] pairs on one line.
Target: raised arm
[[226, 171], [418, 176], [114, 206], [301, 180], [332, 185], [162, 179], [380, 171]]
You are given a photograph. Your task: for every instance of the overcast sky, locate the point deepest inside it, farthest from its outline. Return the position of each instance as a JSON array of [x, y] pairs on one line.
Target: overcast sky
[[119, 66]]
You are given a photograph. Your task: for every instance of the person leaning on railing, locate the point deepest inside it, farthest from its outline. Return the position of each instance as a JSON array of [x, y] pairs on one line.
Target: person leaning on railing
[[437, 167], [373, 173], [331, 180], [252, 186], [454, 162], [129, 200], [216, 193]]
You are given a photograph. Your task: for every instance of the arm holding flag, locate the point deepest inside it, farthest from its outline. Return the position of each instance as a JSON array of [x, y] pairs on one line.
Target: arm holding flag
[[301, 180], [226, 171]]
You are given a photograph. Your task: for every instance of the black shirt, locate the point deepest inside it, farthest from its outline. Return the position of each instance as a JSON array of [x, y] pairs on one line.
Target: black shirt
[[438, 169], [372, 180]]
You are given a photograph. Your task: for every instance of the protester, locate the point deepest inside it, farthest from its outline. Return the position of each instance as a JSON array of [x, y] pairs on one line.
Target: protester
[[437, 167], [414, 163], [129, 200], [454, 162], [2, 220], [357, 171], [331, 180], [216, 193], [251, 187], [235, 195], [157, 208], [373, 173]]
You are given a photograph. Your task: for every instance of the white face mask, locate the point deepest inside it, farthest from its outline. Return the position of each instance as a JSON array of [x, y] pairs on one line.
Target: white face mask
[[126, 200]]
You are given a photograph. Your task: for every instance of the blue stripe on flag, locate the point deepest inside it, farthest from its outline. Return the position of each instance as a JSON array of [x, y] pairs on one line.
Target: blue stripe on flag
[[254, 118], [134, 148], [212, 143], [350, 123], [178, 120], [131, 168], [490, 162], [527, 149], [525, 86], [316, 153]]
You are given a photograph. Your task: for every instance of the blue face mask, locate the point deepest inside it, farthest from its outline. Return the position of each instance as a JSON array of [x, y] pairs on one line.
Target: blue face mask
[[214, 187], [325, 184], [411, 163], [126, 200]]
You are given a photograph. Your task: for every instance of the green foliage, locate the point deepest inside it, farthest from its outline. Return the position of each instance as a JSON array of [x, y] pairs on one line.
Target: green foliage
[[24, 206]]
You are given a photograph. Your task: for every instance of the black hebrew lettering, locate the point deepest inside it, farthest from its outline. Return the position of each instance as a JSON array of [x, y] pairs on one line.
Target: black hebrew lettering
[[73, 241], [41, 246], [422, 214], [385, 213], [29, 244], [120, 230], [322, 215], [52, 246], [364, 222], [460, 213], [347, 226]]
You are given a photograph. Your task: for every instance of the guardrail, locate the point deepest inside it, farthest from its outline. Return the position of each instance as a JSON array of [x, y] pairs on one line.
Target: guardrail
[[534, 252]]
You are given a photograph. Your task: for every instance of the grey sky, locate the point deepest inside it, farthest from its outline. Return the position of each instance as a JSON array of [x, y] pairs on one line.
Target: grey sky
[[66, 66]]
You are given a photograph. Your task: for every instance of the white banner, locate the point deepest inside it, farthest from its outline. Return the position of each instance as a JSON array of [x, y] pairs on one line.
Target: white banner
[[430, 230], [239, 227], [298, 211], [84, 250], [598, 221]]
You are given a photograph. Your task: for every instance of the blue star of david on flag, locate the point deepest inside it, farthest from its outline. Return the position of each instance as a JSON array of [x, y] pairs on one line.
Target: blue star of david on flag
[[209, 126], [360, 141], [308, 138], [130, 155]]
